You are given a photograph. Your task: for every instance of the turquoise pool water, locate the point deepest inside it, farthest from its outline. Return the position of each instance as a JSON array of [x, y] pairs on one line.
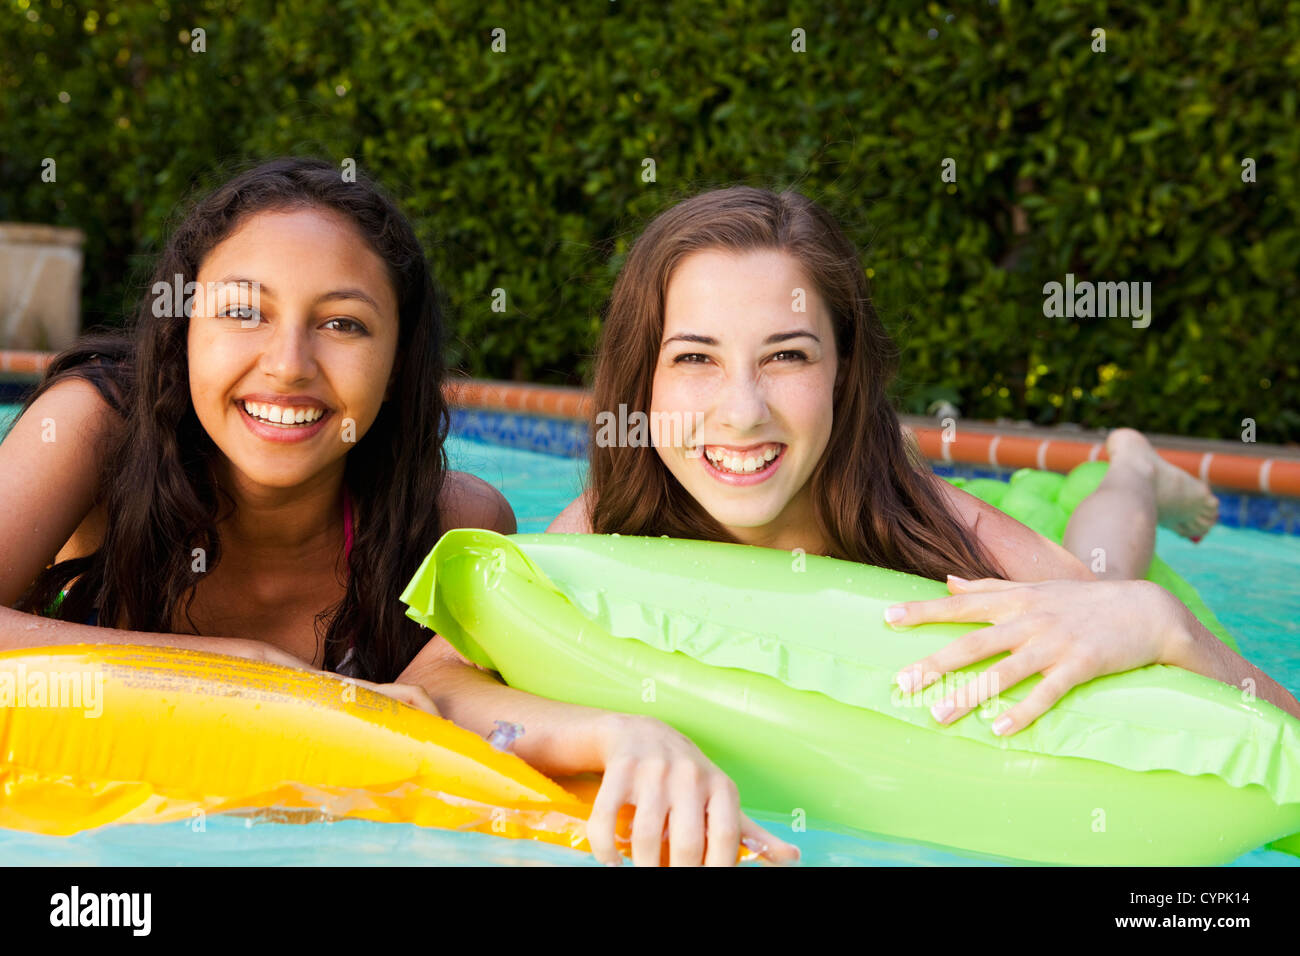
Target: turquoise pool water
[[1247, 576]]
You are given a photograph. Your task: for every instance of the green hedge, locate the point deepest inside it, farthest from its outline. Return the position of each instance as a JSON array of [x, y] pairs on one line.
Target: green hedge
[[523, 169]]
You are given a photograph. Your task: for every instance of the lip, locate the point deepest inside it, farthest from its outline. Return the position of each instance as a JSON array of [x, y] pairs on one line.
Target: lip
[[740, 449], [284, 401], [283, 434], [727, 478]]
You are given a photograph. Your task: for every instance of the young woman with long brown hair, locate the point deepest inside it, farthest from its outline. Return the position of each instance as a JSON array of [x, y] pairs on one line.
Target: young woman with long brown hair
[[742, 318], [258, 468]]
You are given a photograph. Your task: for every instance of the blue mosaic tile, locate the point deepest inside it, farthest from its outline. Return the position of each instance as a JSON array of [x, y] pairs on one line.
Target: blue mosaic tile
[[1232, 509], [552, 436], [1271, 514], [13, 393], [960, 470]]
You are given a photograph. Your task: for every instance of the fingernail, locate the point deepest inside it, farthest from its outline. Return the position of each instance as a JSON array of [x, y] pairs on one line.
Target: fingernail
[[942, 711], [893, 614], [1001, 725], [908, 680], [953, 577], [1197, 539]]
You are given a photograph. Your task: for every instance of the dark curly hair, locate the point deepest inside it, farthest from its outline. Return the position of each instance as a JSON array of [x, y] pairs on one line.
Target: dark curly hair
[[158, 483]]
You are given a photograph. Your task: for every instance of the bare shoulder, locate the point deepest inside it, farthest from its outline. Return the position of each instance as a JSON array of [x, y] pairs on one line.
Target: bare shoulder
[[50, 467], [575, 518], [1023, 553], [58, 446], [77, 403], [470, 502]]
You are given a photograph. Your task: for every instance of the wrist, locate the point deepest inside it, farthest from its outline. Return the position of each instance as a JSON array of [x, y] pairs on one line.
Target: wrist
[[1180, 632], [612, 727]]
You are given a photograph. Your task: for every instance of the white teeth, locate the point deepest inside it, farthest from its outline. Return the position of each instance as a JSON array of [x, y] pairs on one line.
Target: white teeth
[[282, 415], [741, 464]]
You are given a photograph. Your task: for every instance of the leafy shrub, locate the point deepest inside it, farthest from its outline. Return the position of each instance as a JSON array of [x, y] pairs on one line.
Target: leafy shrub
[[524, 169]]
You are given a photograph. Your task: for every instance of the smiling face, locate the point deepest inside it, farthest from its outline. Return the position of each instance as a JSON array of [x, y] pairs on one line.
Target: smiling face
[[286, 383], [758, 379]]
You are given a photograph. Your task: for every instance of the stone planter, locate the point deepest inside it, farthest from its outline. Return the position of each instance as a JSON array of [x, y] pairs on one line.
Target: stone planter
[[40, 286]]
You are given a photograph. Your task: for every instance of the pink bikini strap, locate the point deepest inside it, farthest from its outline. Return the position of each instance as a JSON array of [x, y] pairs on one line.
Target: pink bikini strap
[[347, 524]]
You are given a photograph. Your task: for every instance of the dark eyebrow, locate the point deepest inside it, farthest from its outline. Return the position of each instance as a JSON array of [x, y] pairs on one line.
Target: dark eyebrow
[[331, 296], [770, 340], [786, 336], [691, 337]]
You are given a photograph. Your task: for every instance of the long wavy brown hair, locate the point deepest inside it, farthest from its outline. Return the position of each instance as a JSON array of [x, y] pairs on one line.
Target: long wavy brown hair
[[875, 501], [158, 483]]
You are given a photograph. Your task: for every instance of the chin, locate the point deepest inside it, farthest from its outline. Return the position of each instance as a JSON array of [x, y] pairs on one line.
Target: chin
[[261, 477], [747, 517]]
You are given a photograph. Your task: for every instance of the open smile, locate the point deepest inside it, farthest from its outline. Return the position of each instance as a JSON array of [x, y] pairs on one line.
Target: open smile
[[747, 465], [283, 422]]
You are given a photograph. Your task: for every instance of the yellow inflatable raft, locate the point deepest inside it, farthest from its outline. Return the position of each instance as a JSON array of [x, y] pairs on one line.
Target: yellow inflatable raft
[[96, 734]]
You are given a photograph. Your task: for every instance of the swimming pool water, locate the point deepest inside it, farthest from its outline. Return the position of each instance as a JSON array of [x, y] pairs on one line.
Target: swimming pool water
[[1248, 577], [537, 486]]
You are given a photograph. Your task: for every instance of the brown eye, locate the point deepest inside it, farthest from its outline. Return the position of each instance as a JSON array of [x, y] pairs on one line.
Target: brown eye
[[350, 325], [243, 313]]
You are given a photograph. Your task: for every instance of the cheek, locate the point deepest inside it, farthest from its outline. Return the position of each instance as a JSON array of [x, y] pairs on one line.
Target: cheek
[[360, 378], [661, 390], [675, 391], [812, 406], [209, 367]]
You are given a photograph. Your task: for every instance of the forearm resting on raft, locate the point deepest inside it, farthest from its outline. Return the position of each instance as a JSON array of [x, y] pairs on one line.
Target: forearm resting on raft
[[559, 739], [1194, 648], [19, 630]]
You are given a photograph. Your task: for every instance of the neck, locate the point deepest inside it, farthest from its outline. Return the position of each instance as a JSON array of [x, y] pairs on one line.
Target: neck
[[795, 528], [283, 524]]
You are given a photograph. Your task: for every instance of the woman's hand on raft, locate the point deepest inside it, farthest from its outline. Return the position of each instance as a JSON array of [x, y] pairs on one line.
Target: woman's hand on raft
[[658, 770], [1068, 631], [410, 694]]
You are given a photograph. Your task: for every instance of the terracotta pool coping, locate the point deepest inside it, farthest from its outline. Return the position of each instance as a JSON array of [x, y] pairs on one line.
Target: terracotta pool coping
[[24, 364], [1260, 468]]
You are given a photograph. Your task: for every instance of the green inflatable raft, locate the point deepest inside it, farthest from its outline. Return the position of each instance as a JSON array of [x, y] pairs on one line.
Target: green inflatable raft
[[781, 669]]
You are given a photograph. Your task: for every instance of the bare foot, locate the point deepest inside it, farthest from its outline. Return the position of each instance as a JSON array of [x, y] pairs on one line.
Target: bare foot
[[1183, 503]]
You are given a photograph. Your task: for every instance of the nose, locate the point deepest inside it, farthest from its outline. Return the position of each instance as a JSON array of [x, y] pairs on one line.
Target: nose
[[742, 406], [289, 355]]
